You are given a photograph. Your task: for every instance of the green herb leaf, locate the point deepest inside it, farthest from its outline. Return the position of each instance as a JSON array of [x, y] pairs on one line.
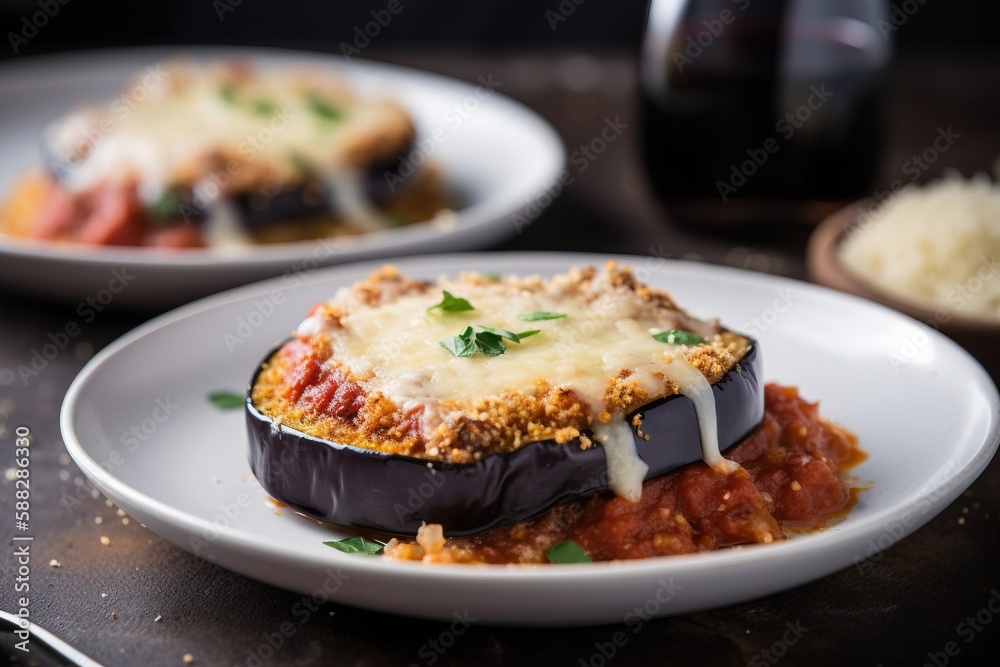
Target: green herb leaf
[[323, 109], [357, 545], [452, 304], [540, 315], [460, 345], [299, 161], [227, 400], [264, 107], [166, 207], [679, 337], [567, 552], [491, 276], [488, 340], [228, 93], [503, 333], [509, 335], [490, 344]]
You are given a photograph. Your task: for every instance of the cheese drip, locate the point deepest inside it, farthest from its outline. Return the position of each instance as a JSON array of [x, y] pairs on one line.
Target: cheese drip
[[222, 226], [626, 469], [346, 195], [692, 383]]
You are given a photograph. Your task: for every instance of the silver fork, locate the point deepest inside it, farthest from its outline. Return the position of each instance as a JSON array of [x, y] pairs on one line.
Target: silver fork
[[45, 638]]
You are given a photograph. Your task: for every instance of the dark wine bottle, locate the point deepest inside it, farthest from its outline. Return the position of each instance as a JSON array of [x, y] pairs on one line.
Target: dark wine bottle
[[760, 109]]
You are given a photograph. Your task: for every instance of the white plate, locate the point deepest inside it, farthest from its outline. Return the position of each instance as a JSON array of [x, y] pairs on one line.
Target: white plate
[[498, 158], [930, 426]]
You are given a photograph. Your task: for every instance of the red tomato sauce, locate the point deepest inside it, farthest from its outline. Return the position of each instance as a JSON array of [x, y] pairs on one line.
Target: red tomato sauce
[[791, 473]]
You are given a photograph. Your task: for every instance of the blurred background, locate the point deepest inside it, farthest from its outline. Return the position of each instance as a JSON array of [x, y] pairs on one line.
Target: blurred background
[[940, 27], [576, 62]]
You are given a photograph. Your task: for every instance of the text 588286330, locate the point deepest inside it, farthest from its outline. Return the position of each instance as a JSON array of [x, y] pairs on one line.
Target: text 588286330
[[21, 538]]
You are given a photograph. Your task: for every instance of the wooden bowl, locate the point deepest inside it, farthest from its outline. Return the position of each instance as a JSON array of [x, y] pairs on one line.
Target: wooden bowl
[[979, 335]]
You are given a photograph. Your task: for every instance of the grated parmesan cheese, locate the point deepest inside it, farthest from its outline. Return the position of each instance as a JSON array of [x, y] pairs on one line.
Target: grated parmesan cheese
[[936, 245]]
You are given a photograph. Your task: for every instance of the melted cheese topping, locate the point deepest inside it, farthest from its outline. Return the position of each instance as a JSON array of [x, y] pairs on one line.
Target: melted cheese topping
[[236, 124], [393, 347], [593, 343]]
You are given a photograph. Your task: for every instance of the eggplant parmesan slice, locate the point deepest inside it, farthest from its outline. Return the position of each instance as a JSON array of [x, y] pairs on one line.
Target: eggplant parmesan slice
[[373, 416], [230, 154]]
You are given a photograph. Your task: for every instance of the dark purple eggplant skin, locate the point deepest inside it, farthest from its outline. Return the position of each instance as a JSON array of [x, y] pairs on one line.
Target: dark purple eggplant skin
[[257, 210], [394, 494]]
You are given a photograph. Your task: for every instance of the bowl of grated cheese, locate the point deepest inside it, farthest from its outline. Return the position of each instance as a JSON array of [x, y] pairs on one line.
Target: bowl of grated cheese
[[930, 251]]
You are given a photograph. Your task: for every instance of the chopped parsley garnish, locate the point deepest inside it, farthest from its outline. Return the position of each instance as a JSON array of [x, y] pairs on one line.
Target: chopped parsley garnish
[[228, 93], [538, 315], [491, 276], [264, 107], [487, 340], [357, 545], [490, 344], [509, 335], [460, 345], [323, 109], [452, 304], [679, 337], [166, 207], [227, 400], [299, 161], [567, 552]]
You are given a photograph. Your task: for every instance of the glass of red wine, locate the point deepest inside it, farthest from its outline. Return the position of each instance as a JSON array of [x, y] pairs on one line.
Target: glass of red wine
[[756, 112]]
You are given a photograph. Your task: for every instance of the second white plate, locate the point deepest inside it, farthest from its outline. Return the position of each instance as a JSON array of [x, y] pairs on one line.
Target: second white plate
[[498, 158], [137, 421]]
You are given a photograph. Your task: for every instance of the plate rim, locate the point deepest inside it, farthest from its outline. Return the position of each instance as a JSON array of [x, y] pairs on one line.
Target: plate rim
[[747, 556]]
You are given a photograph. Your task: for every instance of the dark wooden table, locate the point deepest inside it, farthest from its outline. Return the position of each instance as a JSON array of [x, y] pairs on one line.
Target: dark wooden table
[[146, 602]]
